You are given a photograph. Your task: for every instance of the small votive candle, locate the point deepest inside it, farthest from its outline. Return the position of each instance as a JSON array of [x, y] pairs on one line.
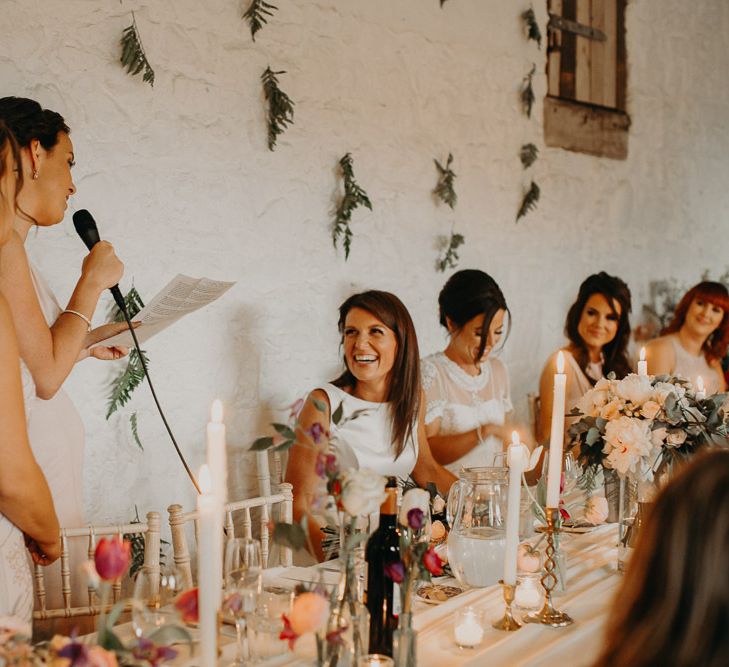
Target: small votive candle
[[468, 628], [376, 660], [529, 593]]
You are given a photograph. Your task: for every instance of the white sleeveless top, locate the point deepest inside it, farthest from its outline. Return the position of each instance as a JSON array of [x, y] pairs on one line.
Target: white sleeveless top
[[690, 367], [462, 402], [366, 440]]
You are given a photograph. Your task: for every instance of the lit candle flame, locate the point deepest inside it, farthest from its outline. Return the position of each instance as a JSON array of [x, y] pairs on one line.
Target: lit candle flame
[[216, 411], [560, 362], [642, 354], [700, 384], [204, 479]]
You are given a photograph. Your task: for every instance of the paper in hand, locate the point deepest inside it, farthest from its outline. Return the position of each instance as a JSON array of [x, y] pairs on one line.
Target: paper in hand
[[182, 295]]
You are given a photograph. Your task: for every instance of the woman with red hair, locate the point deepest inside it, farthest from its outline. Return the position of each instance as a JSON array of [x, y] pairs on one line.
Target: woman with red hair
[[696, 340]]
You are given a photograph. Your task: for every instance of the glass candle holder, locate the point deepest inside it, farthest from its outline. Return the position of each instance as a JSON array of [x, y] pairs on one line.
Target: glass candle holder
[[529, 593], [468, 627]]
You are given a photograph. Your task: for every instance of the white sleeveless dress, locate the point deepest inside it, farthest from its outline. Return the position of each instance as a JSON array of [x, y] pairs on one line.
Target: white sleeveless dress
[[462, 402], [16, 580], [366, 441], [57, 436], [690, 367]]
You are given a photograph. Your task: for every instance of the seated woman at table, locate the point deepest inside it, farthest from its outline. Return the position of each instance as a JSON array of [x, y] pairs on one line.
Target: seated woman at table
[[381, 378], [27, 516], [696, 340], [468, 401], [598, 329], [672, 608]]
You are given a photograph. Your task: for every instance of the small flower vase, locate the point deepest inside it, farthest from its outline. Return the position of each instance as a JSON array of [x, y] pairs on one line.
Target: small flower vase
[[636, 498], [612, 494], [404, 642]]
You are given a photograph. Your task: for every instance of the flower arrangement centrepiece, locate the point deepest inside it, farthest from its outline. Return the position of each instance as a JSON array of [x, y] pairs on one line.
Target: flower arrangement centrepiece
[[642, 427], [112, 558]]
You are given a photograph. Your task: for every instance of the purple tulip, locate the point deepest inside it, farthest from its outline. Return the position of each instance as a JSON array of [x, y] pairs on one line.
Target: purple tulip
[[416, 518]]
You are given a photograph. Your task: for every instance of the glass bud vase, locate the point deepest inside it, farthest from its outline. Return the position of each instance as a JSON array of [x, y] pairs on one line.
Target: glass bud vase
[[636, 498], [404, 641]]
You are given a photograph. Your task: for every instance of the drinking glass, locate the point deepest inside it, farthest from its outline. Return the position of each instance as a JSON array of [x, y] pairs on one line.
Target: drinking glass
[[243, 573], [152, 600]]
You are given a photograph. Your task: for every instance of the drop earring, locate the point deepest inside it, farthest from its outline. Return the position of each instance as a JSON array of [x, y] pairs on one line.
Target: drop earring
[[35, 174]]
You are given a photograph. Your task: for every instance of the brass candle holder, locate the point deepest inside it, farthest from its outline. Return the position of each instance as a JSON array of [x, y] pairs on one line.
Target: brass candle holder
[[548, 615], [507, 623]]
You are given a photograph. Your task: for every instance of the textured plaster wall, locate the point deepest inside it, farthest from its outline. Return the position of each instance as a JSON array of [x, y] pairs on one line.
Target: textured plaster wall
[[181, 180]]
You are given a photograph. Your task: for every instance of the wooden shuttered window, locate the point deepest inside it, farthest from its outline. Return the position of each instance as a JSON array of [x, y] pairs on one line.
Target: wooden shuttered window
[[586, 71]]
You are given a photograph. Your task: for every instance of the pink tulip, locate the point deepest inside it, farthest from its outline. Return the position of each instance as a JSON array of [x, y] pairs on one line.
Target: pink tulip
[[432, 562], [186, 604], [112, 557]]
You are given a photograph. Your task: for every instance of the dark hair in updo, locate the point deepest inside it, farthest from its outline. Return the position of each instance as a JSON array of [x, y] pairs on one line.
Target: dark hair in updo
[[8, 143], [468, 294], [614, 353], [28, 120]]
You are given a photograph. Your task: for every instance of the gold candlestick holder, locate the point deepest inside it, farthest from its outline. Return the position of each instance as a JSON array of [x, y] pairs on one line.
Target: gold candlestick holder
[[548, 615], [507, 622]]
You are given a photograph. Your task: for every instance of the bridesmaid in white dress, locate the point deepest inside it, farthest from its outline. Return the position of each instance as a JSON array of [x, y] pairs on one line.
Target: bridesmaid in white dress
[[696, 340], [27, 516], [52, 339], [468, 399], [381, 376]]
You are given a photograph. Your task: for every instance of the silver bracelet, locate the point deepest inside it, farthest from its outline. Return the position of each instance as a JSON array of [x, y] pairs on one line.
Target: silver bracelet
[[81, 315]]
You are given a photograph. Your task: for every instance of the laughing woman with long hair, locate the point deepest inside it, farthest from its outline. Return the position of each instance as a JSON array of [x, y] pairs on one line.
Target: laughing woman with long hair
[[696, 340], [381, 383]]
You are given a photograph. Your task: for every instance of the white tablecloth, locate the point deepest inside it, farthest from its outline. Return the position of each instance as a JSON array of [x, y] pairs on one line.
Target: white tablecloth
[[592, 581]]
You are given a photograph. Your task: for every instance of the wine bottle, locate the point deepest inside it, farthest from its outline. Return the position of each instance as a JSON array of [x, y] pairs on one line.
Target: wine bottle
[[383, 548]]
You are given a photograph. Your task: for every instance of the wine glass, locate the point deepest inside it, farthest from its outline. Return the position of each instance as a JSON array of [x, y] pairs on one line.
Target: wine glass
[[243, 572], [152, 600]]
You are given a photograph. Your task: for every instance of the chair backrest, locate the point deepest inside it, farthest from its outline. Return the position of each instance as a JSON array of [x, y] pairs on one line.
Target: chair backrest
[[280, 503], [266, 480], [150, 529]]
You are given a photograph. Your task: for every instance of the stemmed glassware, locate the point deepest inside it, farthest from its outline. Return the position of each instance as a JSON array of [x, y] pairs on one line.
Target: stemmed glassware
[[152, 600], [243, 571]]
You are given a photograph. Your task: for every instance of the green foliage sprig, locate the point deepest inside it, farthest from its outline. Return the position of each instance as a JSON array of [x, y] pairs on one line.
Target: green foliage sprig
[[280, 106], [354, 197], [527, 92], [257, 14], [444, 189], [533, 31], [450, 258], [528, 155], [529, 202], [133, 56], [137, 548]]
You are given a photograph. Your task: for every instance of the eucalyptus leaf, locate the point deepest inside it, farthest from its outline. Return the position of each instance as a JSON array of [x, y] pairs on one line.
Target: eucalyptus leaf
[[284, 430], [338, 413], [289, 534], [261, 444], [593, 436]]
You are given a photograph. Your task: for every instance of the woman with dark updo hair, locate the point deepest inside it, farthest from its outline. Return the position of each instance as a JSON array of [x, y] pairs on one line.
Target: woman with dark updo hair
[[598, 330], [468, 401]]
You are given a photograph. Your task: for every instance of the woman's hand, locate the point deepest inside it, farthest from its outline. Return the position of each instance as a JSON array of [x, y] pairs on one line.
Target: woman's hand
[[43, 554], [101, 268]]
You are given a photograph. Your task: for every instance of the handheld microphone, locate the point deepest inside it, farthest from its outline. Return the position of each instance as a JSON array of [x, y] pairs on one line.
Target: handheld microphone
[[86, 228]]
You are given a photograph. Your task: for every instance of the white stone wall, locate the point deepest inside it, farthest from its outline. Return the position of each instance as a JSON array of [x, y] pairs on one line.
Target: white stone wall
[[180, 179]]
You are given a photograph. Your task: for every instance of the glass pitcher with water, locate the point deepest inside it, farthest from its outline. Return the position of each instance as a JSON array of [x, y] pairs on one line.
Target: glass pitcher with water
[[477, 515]]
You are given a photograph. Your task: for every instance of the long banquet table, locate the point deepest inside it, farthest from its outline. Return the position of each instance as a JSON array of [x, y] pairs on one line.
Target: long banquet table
[[592, 582]]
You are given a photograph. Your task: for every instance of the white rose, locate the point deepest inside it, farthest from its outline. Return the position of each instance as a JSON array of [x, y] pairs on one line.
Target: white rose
[[593, 400], [650, 409], [413, 499], [596, 510], [676, 437], [658, 436], [635, 388], [363, 491], [627, 442]]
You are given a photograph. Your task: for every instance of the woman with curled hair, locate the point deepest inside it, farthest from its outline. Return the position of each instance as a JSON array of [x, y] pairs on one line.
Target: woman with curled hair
[[598, 330], [381, 383], [468, 398], [672, 608], [696, 340], [27, 516]]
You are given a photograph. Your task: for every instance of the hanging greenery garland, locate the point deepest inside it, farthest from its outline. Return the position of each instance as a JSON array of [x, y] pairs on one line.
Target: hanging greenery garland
[[527, 92], [533, 31], [133, 56], [444, 189], [257, 14], [528, 155], [450, 257], [354, 197], [280, 106], [529, 202]]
